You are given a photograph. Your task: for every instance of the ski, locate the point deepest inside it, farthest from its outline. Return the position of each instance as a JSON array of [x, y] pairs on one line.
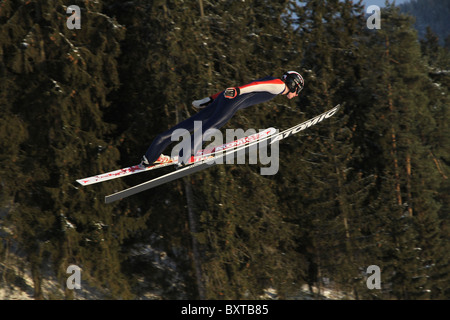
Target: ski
[[214, 158], [199, 156]]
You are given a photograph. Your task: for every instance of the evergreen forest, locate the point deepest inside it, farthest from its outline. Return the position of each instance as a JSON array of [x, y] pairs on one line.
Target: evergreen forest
[[430, 14], [369, 186]]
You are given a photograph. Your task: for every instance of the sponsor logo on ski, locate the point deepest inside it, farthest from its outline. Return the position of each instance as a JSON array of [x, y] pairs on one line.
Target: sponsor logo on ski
[[305, 125]]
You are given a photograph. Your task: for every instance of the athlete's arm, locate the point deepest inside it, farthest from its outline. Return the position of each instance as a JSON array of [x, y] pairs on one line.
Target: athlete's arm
[[205, 101], [274, 86]]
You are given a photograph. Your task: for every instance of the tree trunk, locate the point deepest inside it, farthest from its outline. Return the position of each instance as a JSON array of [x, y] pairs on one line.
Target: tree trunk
[[393, 139], [193, 230]]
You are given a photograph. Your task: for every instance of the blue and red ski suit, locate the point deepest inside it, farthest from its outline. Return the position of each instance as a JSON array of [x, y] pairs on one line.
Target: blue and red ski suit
[[218, 112]]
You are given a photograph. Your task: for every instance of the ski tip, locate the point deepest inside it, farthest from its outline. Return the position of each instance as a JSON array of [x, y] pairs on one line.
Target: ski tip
[[88, 181], [83, 182]]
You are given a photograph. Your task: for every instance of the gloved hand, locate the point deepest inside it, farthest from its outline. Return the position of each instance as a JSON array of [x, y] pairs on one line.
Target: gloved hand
[[231, 92], [202, 102]]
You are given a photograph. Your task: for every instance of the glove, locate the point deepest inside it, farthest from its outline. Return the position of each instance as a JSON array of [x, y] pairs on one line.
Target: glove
[[232, 92], [200, 104]]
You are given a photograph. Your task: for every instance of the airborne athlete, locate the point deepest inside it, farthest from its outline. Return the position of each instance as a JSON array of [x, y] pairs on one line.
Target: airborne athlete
[[203, 164], [215, 112], [219, 108]]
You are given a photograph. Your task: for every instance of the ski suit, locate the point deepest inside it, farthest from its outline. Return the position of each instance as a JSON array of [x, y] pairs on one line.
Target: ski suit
[[218, 112]]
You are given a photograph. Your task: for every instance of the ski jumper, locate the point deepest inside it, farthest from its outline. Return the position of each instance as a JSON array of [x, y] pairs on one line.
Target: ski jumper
[[218, 112]]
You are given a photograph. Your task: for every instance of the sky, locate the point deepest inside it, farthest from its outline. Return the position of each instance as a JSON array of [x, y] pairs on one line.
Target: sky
[[381, 3]]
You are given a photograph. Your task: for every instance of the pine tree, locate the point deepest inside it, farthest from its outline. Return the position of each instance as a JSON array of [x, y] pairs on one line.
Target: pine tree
[[369, 186], [428, 14], [237, 237], [407, 172], [334, 190], [59, 80], [436, 138]]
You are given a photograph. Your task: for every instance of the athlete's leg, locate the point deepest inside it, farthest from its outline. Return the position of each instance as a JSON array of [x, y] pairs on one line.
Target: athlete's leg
[[224, 111], [164, 139]]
